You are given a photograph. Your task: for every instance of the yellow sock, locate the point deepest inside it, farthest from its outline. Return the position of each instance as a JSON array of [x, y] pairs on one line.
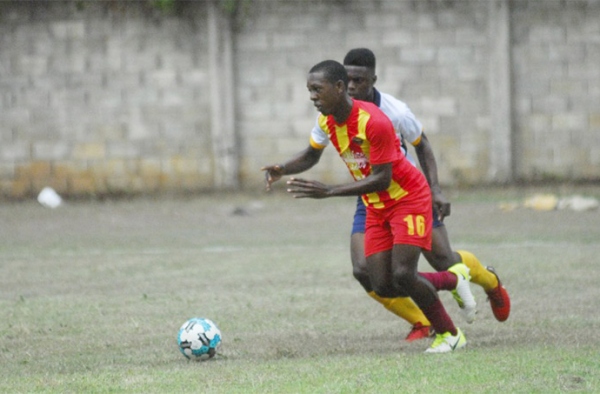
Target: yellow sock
[[403, 307], [479, 274]]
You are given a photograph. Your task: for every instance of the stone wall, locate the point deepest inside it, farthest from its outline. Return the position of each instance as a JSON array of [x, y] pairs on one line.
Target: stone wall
[[556, 52], [119, 97], [431, 54], [102, 99]]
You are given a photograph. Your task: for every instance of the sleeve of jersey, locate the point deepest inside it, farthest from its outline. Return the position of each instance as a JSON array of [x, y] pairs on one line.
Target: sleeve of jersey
[[318, 137], [382, 141], [411, 127]]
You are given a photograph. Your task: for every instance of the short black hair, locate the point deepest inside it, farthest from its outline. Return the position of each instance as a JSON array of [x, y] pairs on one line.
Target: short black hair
[[361, 57], [332, 71]]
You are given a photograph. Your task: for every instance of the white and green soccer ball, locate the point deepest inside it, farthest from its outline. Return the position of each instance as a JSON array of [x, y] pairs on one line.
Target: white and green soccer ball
[[199, 338]]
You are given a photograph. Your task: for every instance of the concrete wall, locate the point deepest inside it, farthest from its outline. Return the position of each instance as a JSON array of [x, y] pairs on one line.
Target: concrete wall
[[103, 98], [556, 53], [118, 97], [433, 55]]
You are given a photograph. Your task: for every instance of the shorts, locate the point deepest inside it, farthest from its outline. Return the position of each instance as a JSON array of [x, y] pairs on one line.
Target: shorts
[[406, 223], [360, 218]]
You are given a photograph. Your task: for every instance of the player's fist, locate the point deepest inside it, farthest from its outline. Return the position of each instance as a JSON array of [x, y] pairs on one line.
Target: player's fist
[[272, 174]]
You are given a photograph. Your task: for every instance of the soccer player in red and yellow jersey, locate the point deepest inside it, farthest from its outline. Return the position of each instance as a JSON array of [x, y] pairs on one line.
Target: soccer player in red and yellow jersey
[[397, 196], [360, 65]]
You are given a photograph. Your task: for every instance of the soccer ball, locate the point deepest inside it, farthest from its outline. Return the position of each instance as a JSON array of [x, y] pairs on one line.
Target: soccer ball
[[198, 339]]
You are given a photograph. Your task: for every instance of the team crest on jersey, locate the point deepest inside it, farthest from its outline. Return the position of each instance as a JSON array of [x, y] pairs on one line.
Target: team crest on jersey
[[355, 160]]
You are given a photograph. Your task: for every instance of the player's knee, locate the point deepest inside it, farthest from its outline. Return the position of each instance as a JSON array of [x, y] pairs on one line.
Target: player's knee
[[404, 278], [360, 271], [440, 260], [362, 277]]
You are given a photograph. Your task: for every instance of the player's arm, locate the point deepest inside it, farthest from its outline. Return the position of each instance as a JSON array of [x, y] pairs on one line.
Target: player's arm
[[429, 167], [379, 179], [303, 161]]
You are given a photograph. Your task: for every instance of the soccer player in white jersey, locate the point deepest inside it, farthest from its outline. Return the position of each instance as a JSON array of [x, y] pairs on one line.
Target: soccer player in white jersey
[[360, 65]]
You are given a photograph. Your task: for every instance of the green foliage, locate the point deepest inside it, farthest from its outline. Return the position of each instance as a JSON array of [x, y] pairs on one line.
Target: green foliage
[[236, 7], [164, 5], [230, 7]]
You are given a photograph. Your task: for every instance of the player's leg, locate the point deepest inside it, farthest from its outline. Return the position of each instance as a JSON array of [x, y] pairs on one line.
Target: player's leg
[[488, 279], [404, 273], [479, 274], [402, 307], [442, 258], [393, 241]]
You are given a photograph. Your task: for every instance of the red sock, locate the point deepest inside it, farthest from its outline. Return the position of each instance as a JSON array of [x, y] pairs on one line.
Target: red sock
[[439, 318], [443, 280]]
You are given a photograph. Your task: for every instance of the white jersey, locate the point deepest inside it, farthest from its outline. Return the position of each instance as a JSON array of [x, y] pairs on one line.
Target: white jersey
[[405, 123]]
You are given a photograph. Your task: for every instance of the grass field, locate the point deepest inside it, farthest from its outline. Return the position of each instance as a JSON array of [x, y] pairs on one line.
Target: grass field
[[92, 295]]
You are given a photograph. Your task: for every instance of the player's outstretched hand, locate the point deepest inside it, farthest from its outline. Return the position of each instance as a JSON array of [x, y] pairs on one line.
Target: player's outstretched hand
[[273, 174], [301, 188]]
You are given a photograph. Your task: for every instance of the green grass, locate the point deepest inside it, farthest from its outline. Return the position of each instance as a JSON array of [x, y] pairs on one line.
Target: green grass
[[92, 296]]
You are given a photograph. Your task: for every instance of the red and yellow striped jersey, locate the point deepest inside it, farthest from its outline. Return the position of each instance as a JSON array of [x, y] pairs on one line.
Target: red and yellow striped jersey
[[368, 137]]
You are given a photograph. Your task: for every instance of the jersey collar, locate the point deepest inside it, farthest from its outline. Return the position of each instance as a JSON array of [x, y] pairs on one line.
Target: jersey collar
[[376, 97]]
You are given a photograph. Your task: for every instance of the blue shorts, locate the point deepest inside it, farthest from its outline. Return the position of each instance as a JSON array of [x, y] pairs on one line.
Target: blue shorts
[[360, 218]]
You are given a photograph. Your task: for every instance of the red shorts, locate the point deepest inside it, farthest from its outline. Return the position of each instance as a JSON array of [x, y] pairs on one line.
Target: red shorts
[[406, 222]]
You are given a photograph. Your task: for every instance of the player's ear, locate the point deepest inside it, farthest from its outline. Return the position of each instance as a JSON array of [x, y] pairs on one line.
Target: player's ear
[[341, 86], [374, 79]]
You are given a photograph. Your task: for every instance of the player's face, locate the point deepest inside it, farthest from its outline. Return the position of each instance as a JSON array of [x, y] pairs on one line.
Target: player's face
[[361, 81], [324, 95]]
